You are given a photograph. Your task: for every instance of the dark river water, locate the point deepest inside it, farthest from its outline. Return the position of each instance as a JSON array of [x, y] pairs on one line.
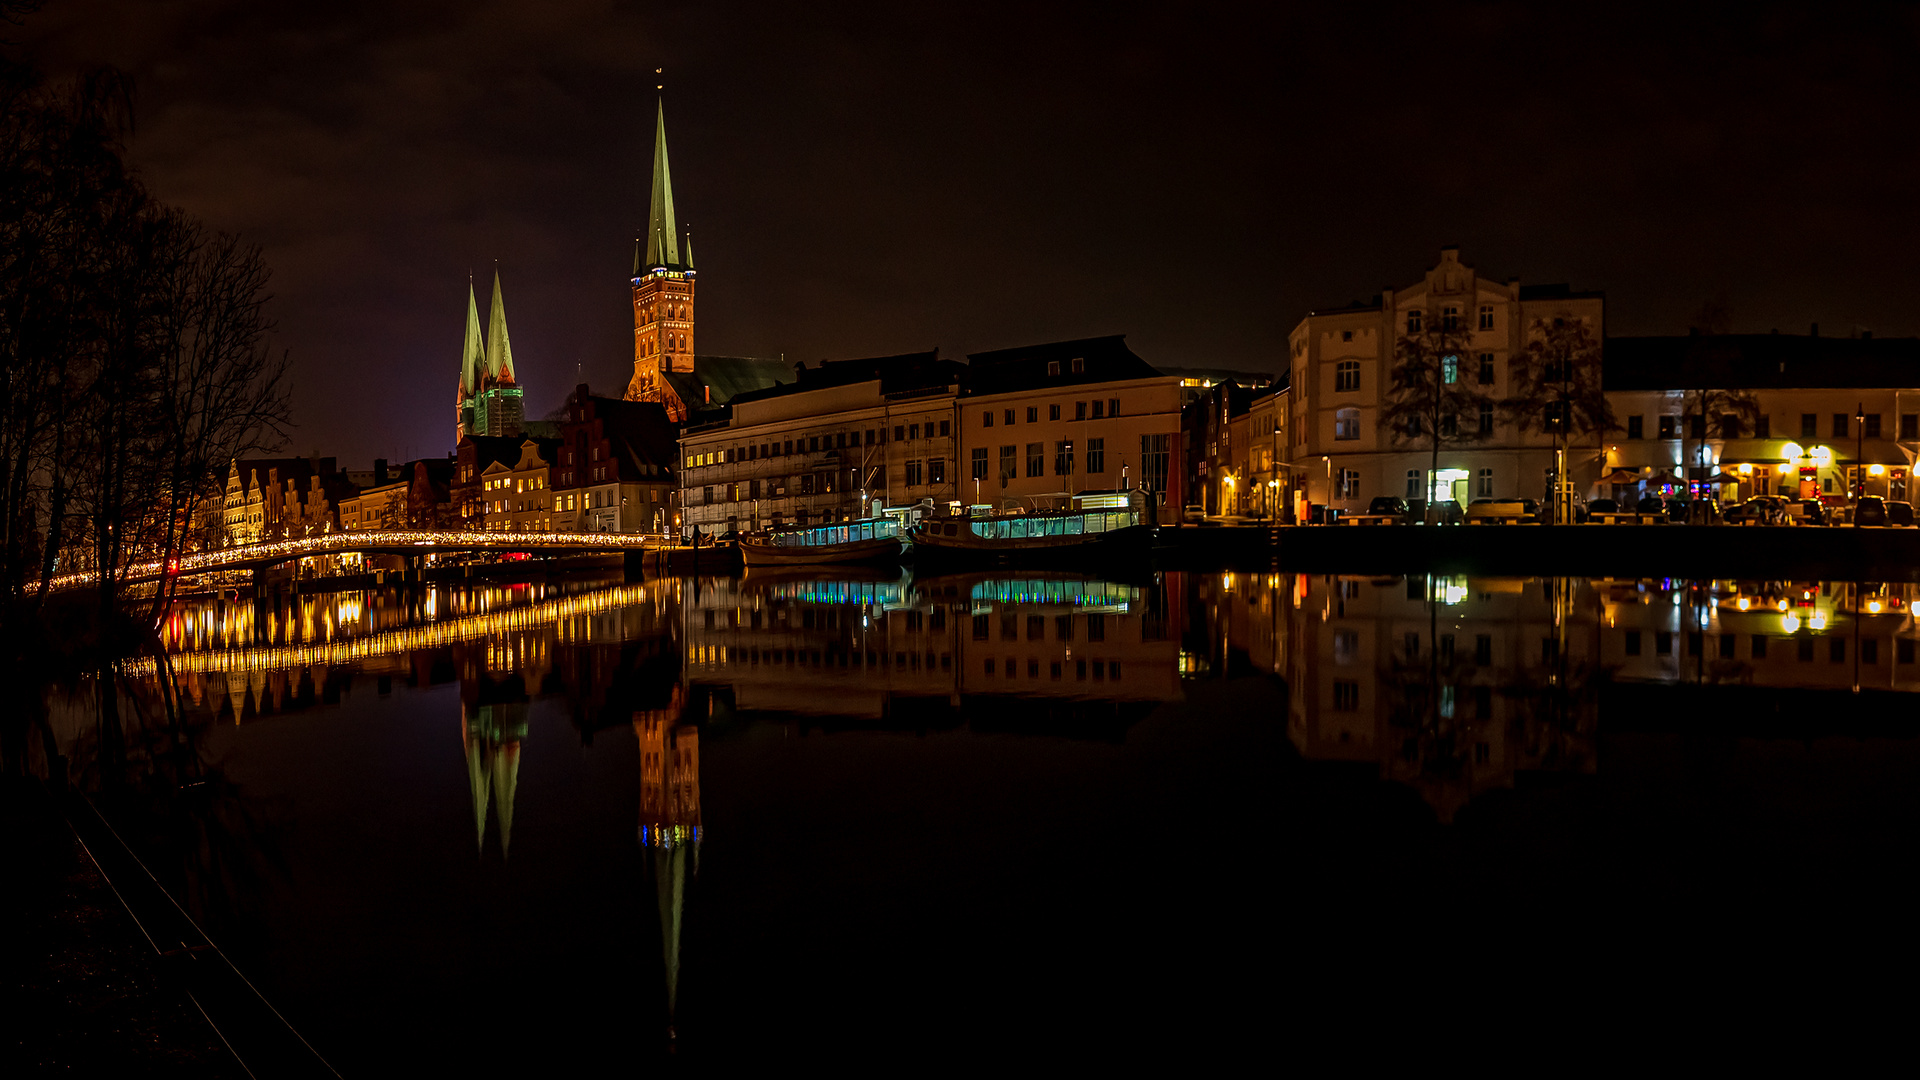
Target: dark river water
[[585, 824]]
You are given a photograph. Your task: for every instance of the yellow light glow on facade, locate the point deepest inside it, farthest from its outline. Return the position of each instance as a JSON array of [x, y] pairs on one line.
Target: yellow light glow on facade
[[1876, 470], [1790, 623], [1792, 452]]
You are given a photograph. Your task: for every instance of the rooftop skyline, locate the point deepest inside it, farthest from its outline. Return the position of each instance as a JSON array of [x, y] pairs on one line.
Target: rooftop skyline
[[864, 181]]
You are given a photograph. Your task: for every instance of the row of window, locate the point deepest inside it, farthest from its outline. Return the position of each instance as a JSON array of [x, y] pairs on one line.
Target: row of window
[[813, 444], [1096, 625], [1056, 669], [1449, 319], [1730, 426], [529, 483], [676, 343], [1082, 410], [1346, 373]]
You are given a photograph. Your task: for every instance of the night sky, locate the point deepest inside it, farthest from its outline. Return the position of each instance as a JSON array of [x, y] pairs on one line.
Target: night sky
[[877, 180]]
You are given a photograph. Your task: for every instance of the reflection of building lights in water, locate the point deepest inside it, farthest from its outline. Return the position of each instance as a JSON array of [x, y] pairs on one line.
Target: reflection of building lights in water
[[1790, 623]]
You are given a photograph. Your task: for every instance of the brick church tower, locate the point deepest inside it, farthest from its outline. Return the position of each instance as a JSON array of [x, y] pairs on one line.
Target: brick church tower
[[662, 294]]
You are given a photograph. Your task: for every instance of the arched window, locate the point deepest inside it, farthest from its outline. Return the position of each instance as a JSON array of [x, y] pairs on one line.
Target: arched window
[[1346, 424], [1346, 376]]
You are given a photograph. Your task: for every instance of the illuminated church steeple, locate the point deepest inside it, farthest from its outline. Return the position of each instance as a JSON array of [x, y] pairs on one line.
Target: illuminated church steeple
[[662, 292], [489, 397]]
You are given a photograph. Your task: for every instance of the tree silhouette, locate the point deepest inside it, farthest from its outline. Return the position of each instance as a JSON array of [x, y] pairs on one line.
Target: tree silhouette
[[1428, 396], [1557, 387]]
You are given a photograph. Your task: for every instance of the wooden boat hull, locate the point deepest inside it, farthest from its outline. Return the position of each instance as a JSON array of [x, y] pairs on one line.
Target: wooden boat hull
[[882, 549], [965, 547]]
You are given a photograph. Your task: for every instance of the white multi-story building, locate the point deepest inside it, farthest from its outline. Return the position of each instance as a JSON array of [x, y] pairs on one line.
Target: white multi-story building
[[1341, 363]]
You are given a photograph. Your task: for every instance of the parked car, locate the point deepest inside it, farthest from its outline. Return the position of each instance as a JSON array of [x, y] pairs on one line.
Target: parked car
[[1603, 506], [1650, 504], [1758, 510], [1870, 510], [1900, 513], [1388, 505], [1806, 512], [1449, 511]]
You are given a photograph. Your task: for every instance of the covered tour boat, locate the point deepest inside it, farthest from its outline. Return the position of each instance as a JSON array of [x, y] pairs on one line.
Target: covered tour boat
[[875, 540], [1100, 524]]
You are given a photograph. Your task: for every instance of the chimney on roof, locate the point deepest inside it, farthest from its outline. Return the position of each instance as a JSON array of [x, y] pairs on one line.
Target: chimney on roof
[[1866, 335], [1815, 331], [379, 470]]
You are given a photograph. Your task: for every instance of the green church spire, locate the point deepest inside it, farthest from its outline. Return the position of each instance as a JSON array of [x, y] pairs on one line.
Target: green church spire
[[663, 239], [499, 349], [473, 354]]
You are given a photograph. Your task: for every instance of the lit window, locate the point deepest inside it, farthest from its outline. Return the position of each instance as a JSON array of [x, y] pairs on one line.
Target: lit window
[[1450, 369]]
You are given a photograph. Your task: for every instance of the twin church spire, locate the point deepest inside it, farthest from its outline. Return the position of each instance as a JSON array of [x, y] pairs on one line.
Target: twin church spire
[[488, 402]]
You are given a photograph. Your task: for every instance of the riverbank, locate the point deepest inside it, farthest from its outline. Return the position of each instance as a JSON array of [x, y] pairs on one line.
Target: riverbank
[[1840, 553], [84, 991]]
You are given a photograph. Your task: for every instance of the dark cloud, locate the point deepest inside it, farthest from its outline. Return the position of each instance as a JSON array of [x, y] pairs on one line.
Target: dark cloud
[[876, 179]]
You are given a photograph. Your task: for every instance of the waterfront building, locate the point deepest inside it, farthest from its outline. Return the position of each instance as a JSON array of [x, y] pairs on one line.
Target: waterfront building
[[488, 401], [1749, 414], [264, 498], [518, 496], [847, 439], [430, 493], [469, 494], [616, 467], [1214, 426], [667, 370], [1041, 423], [1341, 363], [1269, 482]]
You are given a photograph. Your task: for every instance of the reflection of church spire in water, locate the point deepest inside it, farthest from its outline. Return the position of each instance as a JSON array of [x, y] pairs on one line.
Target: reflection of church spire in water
[[491, 735], [669, 824]]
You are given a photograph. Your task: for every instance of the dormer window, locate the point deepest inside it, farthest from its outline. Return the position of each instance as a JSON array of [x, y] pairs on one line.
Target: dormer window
[[1053, 367], [1079, 364]]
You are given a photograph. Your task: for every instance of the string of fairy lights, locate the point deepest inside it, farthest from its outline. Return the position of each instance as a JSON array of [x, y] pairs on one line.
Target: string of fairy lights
[[428, 541]]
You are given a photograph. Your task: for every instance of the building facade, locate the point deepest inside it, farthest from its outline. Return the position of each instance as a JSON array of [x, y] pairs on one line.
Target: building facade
[[1041, 423], [1729, 416], [616, 467], [1341, 361], [848, 439], [517, 496]]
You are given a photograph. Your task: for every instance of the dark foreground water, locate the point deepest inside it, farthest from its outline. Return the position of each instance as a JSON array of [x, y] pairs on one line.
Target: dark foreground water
[[577, 826]]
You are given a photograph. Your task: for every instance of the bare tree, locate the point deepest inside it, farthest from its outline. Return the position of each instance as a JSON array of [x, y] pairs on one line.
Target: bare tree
[[1429, 396], [1557, 389]]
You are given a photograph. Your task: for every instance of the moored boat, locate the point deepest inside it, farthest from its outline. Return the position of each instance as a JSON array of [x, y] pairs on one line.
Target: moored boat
[[1097, 528], [870, 541]]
